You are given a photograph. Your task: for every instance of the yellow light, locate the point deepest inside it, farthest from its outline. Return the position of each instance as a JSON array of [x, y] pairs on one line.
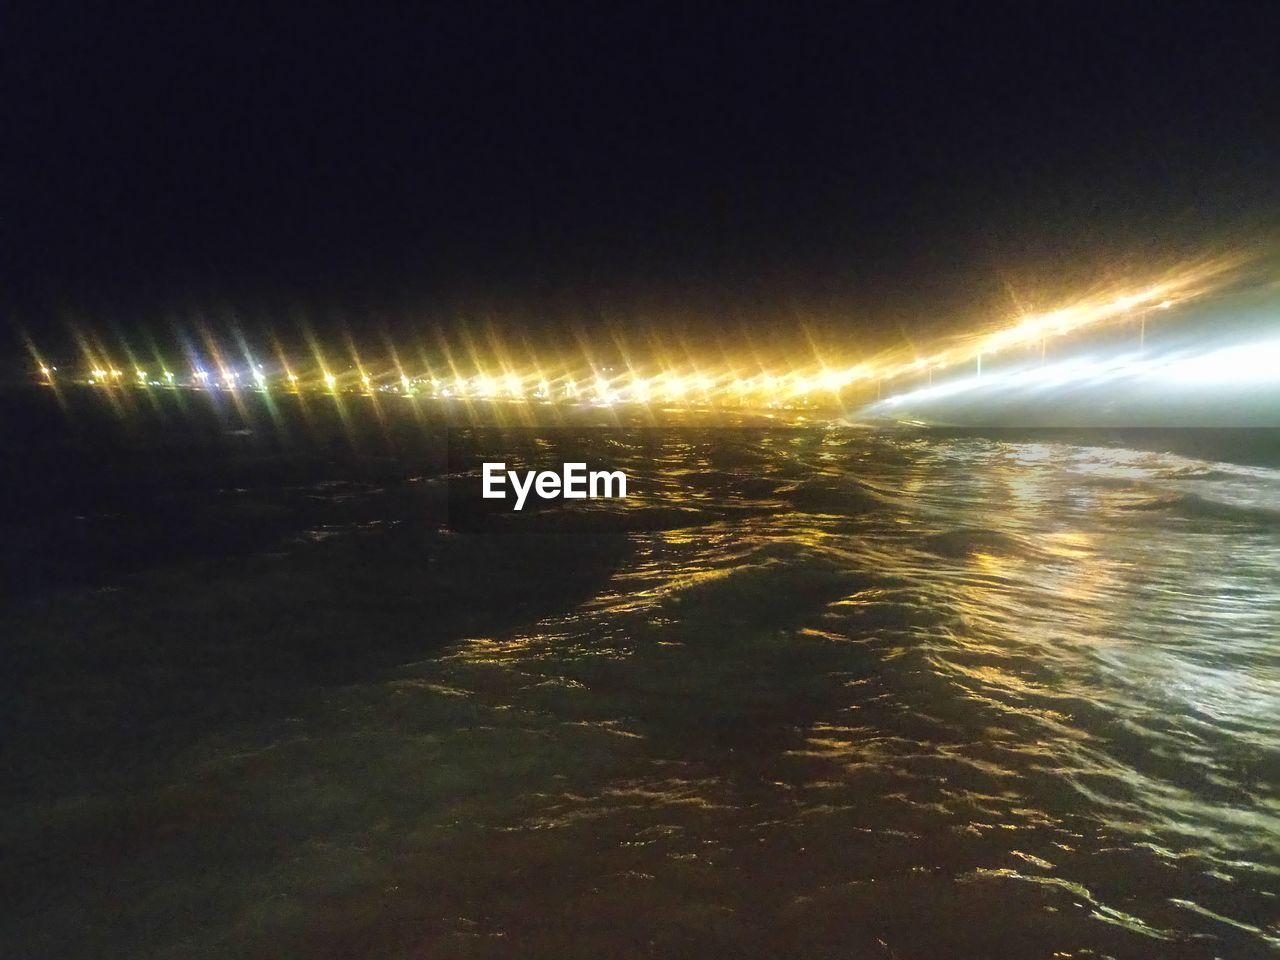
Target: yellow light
[[832, 380], [603, 391], [715, 383]]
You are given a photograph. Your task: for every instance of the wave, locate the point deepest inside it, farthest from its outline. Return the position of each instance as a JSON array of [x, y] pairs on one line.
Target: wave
[[1198, 506], [966, 541], [838, 496]]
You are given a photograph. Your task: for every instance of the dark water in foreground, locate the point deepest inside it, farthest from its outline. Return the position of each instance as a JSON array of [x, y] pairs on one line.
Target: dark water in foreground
[[862, 695]]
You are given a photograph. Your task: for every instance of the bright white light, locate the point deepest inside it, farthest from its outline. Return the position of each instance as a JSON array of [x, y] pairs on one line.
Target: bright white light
[[1245, 363], [1250, 362]]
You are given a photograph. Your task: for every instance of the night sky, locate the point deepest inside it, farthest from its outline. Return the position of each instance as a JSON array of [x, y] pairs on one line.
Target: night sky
[[856, 171]]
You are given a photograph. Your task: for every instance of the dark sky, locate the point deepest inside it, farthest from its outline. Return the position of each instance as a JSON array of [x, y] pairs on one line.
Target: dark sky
[[853, 167]]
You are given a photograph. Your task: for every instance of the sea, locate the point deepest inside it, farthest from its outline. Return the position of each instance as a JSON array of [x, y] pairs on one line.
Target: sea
[[817, 690]]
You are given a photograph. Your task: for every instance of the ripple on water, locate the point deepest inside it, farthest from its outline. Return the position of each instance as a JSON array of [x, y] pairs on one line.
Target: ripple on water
[[893, 697]]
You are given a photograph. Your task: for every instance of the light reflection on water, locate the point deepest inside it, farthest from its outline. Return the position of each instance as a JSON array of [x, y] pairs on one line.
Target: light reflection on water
[[912, 698]]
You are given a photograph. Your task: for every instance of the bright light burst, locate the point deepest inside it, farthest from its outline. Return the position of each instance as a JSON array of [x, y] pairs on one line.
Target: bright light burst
[[1241, 364], [783, 382]]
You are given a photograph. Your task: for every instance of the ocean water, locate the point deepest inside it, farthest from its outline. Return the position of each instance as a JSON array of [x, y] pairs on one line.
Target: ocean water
[[851, 693]]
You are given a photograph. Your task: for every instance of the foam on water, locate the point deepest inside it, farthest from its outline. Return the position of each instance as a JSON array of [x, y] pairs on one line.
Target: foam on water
[[868, 695]]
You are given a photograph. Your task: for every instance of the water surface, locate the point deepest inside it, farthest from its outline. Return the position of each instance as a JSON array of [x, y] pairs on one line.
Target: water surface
[[857, 695]]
